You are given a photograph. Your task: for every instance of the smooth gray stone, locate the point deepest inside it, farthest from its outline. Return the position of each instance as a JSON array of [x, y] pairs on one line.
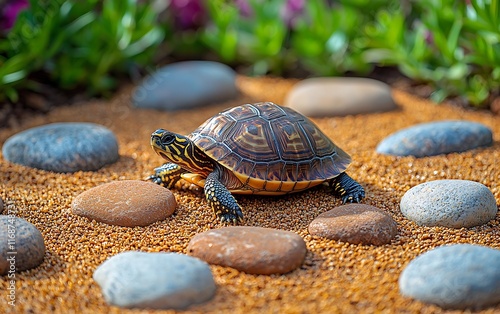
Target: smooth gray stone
[[340, 96], [435, 138], [186, 85], [63, 147], [155, 280], [460, 276], [21, 245], [449, 203]]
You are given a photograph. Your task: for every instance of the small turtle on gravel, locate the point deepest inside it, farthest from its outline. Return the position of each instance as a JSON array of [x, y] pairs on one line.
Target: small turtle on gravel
[[261, 149]]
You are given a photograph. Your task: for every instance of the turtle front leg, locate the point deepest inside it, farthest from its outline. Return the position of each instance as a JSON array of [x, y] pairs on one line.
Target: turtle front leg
[[167, 175], [345, 188], [221, 200]]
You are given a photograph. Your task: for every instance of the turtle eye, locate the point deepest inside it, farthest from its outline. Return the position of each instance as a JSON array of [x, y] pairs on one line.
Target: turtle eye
[[167, 139]]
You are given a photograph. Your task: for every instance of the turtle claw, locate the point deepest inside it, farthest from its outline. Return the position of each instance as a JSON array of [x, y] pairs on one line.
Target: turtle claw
[[228, 214], [166, 175], [231, 218], [347, 199], [221, 200], [347, 189], [354, 196], [154, 179]]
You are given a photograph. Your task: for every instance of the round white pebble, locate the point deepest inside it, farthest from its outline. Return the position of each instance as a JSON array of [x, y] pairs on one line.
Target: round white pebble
[[155, 280], [449, 203], [460, 276]]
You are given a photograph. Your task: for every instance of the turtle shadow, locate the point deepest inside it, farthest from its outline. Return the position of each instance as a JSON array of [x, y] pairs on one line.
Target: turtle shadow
[[297, 210]]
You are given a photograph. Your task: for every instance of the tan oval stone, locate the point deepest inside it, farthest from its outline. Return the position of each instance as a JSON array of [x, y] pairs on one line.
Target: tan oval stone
[[340, 96], [126, 203], [253, 250], [355, 223]]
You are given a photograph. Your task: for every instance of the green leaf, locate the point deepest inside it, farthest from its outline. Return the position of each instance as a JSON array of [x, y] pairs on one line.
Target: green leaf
[[439, 95], [337, 43], [229, 45], [458, 71], [453, 36], [15, 68], [11, 94], [153, 37]]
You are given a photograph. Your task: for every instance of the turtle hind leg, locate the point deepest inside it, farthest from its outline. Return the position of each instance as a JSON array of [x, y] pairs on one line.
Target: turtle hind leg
[[221, 200], [345, 188], [167, 175]]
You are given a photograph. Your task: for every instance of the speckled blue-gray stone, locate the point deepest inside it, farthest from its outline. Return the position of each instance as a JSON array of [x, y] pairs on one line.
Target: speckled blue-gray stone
[[186, 85], [460, 276], [63, 147], [155, 280], [449, 203], [435, 138], [21, 245]]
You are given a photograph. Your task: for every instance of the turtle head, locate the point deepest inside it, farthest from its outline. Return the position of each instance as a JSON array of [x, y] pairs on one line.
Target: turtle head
[[180, 150]]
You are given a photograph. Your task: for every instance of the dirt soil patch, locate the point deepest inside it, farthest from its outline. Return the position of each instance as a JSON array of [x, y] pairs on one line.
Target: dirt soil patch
[[336, 277]]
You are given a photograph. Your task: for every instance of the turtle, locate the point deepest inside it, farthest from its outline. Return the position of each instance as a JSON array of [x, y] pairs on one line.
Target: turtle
[[261, 149]]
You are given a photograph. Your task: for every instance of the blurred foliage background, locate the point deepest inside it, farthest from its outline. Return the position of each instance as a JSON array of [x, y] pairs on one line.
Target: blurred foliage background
[[89, 46]]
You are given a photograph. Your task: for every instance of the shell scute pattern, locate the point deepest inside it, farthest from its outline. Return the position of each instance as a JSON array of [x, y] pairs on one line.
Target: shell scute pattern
[[291, 141], [241, 113], [253, 139], [270, 143]]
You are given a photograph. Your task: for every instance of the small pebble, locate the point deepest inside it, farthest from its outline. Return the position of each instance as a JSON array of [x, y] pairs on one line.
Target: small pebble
[[155, 280], [435, 138], [460, 276], [340, 96], [127, 203], [63, 147], [186, 85], [449, 203], [355, 223], [1, 205], [21, 245], [253, 250]]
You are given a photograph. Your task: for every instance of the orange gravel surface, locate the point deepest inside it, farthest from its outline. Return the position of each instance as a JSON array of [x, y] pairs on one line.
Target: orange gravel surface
[[336, 277]]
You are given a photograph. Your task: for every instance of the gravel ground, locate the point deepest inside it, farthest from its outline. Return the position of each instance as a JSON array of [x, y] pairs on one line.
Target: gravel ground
[[335, 278]]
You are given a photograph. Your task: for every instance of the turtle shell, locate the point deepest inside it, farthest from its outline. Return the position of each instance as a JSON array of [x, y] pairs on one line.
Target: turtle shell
[[270, 148]]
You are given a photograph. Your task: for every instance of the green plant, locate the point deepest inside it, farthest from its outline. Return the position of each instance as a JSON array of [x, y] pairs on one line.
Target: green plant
[[259, 39], [453, 45], [327, 39], [77, 44]]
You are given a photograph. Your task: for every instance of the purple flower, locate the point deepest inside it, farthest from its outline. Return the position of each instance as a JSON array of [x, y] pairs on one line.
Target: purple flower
[[292, 10], [429, 38], [188, 14], [9, 12], [244, 7]]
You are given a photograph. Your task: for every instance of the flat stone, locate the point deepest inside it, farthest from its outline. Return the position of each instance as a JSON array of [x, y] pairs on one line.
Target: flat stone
[[186, 85], [63, 147], [127, 203], [253, 250], [21, 245], [460, 276], [340, 96], [355, 223], [435, 138], [449, 203], [155, 280]]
